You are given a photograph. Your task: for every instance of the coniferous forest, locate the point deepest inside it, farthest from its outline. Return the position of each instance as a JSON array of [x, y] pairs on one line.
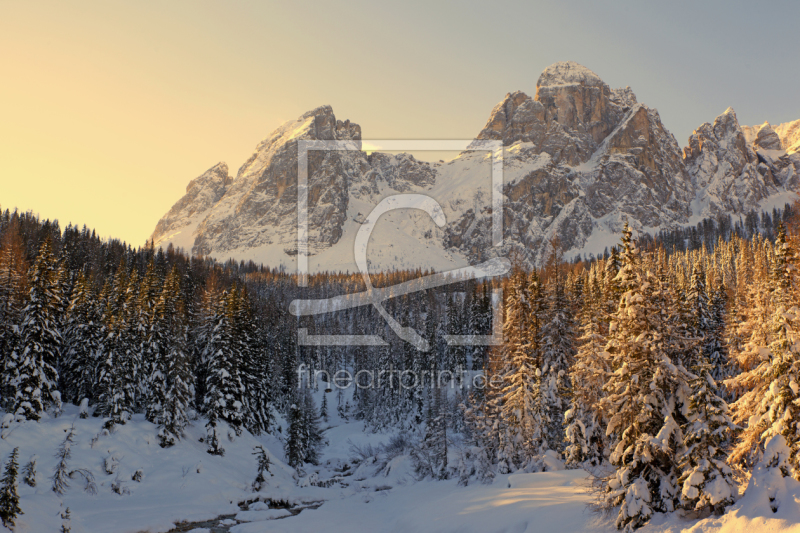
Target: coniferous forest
[[668, 367]]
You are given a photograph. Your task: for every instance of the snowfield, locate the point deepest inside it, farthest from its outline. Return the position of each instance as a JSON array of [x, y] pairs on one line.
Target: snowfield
[[184, 483]]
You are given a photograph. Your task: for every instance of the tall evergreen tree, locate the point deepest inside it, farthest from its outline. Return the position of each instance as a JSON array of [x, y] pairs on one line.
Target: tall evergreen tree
[[82, 340], [35, 377], [295, 443], [643, 394], [9, 497], [558, 341], [706, 479], [13, 289], [224, 400], [585, 422], [178, 391]]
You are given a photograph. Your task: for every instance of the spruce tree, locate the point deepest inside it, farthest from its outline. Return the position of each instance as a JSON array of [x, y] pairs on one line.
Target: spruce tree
[[313, 435], [224, 398], [644, 432], [82, 340], [323, 410], [585, 422], [13, 283], [9, 497], [771, 406], [252, 349], [34, 372], [430, 458], [264, 463], [297, 439], [66, 521], [707, 483], [557, 352], [178, 392], [29, 472], [524, 414]]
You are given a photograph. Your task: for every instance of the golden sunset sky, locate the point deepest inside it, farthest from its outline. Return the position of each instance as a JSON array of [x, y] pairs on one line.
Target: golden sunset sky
[[108, 109]]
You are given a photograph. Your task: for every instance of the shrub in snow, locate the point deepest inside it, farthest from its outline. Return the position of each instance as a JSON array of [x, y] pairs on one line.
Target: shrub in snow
[[117, 487], [552, 462], [88, 479], [110, 464], [29, 472], [66, 522], [61, 475], [264, 463], [84, 411]]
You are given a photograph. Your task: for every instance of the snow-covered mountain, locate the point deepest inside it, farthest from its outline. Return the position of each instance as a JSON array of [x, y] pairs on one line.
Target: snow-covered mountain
[[579, 159]]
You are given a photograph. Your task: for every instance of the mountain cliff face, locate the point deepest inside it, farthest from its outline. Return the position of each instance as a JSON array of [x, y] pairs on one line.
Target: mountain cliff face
[[784, 136], [579, 159]]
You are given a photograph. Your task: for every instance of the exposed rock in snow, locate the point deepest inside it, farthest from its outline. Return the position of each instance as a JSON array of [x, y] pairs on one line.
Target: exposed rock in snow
[[579, 159], [202, 194], [572, 112], [725, 168], [788, 135]]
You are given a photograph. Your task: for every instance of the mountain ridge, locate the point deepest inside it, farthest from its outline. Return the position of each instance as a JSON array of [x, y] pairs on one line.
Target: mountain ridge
[[580, 158]]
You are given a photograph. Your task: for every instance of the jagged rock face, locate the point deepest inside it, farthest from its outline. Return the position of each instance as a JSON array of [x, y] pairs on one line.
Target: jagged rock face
[[767, 139], [572, 112], [789, 133], [643, 167], [784, 136], [609, 159], [731, 175], [260, 207], [202, 194], [579, 160], [400, 172]]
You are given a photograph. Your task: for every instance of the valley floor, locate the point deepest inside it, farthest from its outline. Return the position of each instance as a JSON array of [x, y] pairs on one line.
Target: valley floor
[[184, 483]]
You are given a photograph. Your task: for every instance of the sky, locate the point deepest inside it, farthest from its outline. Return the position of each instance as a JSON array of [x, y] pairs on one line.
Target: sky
[[108, 109]]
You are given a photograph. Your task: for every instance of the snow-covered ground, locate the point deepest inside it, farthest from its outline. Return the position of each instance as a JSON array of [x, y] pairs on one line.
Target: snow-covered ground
[[186, 483]]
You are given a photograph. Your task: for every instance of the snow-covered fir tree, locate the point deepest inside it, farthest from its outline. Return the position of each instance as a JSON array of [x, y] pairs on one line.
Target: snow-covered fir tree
[[585, 422], [557, 349], [178, 392], [706, 480], [34, 377], [644, 393], [9, 496], [224, 390]]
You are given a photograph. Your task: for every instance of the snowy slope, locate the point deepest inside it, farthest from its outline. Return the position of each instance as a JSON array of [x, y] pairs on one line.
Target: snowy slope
[[185, 483], [580, 158]]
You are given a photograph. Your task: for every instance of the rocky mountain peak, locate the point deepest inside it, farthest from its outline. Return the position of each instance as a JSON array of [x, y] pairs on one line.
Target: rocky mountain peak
[[729, 168], [767, 139], [216, 177], [202, 193], [786, 136], [572, 112], [789, 133], [568, 73], [581, 159]]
